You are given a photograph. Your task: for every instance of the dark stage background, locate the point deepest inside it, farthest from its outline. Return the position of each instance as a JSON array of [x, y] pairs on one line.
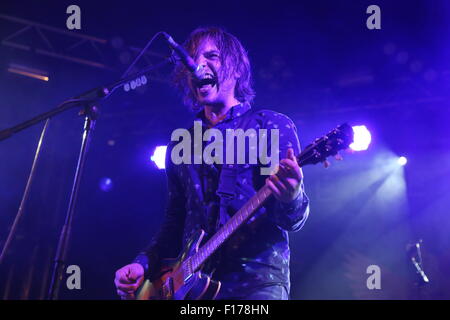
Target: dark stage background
[[313, 60]]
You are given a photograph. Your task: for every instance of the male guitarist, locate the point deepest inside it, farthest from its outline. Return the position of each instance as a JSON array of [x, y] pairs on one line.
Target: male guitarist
[[254, 262]]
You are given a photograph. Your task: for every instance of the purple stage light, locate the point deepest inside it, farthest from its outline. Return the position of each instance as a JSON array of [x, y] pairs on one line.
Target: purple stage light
[[361, 138], [159, 157], [402, 161], [106, 184]]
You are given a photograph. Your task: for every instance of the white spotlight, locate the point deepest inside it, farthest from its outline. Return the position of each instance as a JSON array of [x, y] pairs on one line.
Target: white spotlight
[[159, 157], [402, 161], [361, 138]]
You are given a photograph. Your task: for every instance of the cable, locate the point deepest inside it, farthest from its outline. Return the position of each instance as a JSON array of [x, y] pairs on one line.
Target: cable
[[141, 53]]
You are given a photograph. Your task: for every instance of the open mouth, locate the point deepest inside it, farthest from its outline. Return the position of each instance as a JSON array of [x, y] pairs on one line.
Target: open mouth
[[208, 80]]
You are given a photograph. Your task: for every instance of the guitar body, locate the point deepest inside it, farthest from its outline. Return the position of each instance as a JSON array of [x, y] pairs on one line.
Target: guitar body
[[174, 283]]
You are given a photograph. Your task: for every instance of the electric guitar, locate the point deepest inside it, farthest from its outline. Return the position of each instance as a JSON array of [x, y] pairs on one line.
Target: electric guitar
[[182, 279]]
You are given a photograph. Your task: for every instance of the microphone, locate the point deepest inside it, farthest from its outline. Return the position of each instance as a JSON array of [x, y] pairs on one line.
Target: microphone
[[196, 71]]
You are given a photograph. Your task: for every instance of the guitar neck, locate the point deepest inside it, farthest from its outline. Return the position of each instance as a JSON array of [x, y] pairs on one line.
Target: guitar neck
[[236, 221]]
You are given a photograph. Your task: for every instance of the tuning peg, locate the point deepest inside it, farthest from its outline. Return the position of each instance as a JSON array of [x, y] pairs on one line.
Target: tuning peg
[[338, 157], [326, 163]]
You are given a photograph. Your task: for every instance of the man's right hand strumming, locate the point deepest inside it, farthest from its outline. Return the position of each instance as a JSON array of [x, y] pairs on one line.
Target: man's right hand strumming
[[128, 279]]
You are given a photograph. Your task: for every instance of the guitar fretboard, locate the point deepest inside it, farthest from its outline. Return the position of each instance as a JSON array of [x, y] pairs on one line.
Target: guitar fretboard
[[237, 220]]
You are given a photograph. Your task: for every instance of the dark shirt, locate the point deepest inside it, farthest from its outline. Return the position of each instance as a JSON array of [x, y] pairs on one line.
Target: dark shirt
[[257, 255]]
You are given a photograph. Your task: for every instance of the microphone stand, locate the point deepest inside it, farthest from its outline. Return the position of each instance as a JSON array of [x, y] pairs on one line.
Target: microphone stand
[[89, 101], [414, 254], [91, 96], [91, 113]]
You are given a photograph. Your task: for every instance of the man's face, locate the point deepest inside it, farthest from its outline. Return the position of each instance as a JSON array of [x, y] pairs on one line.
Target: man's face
[[220, 90]]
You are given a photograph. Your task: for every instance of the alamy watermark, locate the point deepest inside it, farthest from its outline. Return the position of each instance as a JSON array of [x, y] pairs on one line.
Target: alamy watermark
[[374, 20], [214, 152], [74, 20], [74, 279], [374, 280]]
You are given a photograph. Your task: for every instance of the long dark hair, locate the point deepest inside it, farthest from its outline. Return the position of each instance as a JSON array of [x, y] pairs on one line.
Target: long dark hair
[[234, 59]]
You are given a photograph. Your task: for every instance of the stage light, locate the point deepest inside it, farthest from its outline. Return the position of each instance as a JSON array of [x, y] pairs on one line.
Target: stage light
[[159, 157], [402, 161], [361, 138], [106, 184], [28, 72]]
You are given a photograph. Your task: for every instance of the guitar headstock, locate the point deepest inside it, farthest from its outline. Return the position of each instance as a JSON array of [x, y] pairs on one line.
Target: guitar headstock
[[328, 145]]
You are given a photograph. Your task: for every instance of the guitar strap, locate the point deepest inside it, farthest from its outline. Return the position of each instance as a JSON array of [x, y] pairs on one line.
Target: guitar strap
[[228, 177], [226, 191]]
